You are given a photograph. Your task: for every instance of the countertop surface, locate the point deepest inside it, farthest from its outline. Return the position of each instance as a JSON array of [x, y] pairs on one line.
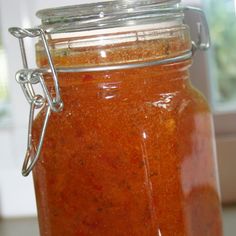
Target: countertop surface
[[29, 226]]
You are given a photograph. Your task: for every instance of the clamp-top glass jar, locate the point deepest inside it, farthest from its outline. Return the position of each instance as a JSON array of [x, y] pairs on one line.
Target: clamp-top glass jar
[[122, 144]]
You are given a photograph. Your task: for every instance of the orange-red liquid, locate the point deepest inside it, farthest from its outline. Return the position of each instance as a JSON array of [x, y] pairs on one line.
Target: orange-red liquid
[[132, 154]]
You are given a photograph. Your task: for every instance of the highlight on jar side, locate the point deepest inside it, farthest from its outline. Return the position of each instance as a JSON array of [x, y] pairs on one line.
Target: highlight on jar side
[[122, 143]]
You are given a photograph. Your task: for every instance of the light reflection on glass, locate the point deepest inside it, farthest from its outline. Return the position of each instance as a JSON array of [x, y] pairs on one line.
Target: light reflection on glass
[[144, 135], [103, 54]]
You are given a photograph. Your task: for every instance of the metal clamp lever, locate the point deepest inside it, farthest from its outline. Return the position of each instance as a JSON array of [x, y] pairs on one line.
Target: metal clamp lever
[[27, 78], [31, 153]]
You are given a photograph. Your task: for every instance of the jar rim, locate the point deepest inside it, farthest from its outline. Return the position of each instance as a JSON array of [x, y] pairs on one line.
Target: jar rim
[[108, 14]]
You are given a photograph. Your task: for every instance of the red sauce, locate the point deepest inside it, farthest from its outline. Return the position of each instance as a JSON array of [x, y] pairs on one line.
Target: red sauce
[[132, 153]]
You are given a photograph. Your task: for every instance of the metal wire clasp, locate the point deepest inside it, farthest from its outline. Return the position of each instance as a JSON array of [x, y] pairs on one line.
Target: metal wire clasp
[[27, 78], [203, 42]]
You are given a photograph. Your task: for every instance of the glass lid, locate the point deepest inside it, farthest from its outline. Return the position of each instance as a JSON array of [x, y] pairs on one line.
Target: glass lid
[[108, 14]]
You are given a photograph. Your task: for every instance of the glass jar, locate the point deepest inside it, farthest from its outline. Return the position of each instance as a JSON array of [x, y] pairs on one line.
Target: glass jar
[[132, 151]]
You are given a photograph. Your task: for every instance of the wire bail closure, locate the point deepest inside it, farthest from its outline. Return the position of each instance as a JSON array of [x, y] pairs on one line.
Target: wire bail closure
[[29, 77]]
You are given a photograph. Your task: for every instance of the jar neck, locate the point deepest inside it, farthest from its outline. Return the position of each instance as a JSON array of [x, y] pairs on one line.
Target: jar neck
[[137, 46]]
